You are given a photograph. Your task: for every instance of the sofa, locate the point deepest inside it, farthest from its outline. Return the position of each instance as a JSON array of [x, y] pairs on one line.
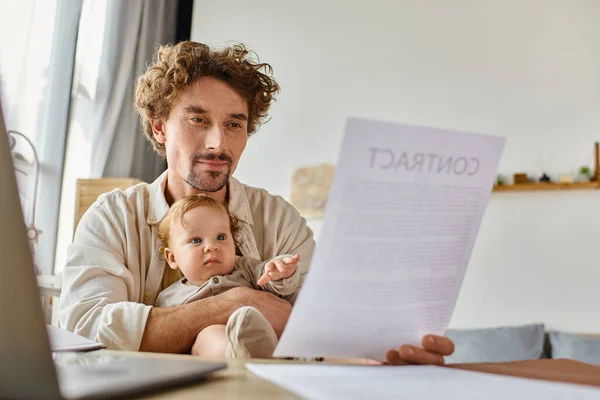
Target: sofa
[[524, 342]]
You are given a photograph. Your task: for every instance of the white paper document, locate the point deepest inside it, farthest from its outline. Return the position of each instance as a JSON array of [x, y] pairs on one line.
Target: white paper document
[[409, 382], [63, 340], [401, 220]]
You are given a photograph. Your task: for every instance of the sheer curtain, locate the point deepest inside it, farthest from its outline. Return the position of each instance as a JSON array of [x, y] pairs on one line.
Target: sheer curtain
[[67, 72], [131, 154], [117, 40], [37, 44]]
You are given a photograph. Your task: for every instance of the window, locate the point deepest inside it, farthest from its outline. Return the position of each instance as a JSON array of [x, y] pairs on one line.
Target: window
[[37, 41], [25, 43]]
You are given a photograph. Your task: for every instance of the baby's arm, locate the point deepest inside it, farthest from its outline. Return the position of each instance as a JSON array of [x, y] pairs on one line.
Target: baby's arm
[[278, 276]]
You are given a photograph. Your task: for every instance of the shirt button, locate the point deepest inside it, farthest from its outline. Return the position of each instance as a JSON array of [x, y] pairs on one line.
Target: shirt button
[[147, 296], [215, 279], [152, 219]]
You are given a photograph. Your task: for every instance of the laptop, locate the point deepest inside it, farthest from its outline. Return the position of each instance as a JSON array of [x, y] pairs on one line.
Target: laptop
[[28, 369]]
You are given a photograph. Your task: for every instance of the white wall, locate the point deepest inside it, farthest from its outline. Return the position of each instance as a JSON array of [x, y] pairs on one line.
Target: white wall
[[528, 70]]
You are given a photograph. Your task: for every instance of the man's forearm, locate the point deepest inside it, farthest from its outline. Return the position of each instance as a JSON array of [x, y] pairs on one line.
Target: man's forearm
[[174, 329]]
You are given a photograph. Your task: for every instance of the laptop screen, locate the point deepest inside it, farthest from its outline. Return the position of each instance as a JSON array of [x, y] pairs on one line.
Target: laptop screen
[[26, 367]]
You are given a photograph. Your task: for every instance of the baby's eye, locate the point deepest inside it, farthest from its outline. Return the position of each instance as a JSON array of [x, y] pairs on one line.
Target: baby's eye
[[221, 237], [196, 241]]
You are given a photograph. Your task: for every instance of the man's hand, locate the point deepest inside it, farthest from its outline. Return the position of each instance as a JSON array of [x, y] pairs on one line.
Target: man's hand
[[276, 310], [433, 351], [279, 268]]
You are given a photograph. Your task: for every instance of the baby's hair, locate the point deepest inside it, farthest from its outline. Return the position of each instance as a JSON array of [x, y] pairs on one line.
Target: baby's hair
[[181, 207]]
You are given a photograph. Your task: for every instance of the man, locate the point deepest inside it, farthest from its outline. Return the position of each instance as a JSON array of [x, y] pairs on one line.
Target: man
[[198, 108]]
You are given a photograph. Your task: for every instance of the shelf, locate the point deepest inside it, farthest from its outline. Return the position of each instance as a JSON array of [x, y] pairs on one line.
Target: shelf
[[525, 187]]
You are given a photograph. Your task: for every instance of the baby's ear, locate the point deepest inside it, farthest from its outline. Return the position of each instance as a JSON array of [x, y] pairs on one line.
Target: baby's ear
[[170, 257]]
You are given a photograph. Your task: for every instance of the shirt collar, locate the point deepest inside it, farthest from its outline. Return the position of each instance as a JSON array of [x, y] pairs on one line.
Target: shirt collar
[[158, 203], [238, 201]]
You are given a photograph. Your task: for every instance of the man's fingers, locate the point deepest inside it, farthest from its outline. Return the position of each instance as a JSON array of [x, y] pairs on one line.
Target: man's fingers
[[416, 355], [438, 344], [392, 357]]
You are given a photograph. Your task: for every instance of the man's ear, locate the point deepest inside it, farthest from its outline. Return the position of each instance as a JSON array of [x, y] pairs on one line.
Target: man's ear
[[170, 257], [158, 130]]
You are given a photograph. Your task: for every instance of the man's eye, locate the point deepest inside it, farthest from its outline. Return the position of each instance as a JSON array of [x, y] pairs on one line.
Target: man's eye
[[196, 241], [236, 125], [221, 237], [198, 120]]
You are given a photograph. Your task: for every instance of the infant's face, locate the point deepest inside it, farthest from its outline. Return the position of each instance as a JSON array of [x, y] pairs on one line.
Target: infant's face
[[204, 247]]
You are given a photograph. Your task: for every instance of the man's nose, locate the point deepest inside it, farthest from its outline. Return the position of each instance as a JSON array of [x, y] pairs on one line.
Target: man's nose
[[215, 138]]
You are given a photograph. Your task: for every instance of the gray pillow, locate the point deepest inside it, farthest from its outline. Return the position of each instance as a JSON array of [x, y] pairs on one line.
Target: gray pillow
[[507, 343], [578, 347]]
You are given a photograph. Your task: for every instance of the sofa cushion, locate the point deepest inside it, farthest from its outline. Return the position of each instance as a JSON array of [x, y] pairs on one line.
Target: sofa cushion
[[506, 343], [577, 347]]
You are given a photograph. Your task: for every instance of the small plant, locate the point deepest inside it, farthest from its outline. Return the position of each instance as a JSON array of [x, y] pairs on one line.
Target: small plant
[[584, 171], [585, 174]]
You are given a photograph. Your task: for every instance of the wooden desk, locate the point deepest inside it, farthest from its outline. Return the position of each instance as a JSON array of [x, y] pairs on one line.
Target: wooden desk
[[236, 382]]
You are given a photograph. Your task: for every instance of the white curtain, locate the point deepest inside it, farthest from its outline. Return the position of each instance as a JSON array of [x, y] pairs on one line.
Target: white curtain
[[105, 115], [117, 39], [37, 47]]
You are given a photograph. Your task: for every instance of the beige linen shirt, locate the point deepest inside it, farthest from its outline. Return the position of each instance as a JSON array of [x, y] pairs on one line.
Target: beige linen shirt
[[246, 273], [115, 267]]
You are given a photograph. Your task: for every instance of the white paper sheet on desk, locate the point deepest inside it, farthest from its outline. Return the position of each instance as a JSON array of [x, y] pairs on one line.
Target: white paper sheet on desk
[[409, 382], [63, 340], [401, 220]]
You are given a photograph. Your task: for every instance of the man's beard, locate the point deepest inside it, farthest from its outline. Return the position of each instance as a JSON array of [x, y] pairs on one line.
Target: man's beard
[[209, 181], [212, 181]]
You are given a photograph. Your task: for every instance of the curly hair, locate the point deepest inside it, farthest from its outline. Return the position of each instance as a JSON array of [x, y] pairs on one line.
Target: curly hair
[[183, 206], [178, 65]]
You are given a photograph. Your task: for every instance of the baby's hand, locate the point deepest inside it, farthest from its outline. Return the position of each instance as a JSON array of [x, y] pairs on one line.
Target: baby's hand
[[279, 268]]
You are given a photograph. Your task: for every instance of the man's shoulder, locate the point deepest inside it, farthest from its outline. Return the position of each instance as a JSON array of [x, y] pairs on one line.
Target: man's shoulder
[[133, 194], [263, 198], [121, 205], [114, 213], [270, 207]]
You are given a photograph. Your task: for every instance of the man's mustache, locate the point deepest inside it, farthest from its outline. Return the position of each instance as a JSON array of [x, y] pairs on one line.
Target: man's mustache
[[209, 156]]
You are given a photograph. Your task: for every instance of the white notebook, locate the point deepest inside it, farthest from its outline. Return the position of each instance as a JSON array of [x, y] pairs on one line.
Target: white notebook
[[63, 340]]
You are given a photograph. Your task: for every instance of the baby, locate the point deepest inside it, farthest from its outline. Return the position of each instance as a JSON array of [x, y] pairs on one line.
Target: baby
[[199, 235]]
